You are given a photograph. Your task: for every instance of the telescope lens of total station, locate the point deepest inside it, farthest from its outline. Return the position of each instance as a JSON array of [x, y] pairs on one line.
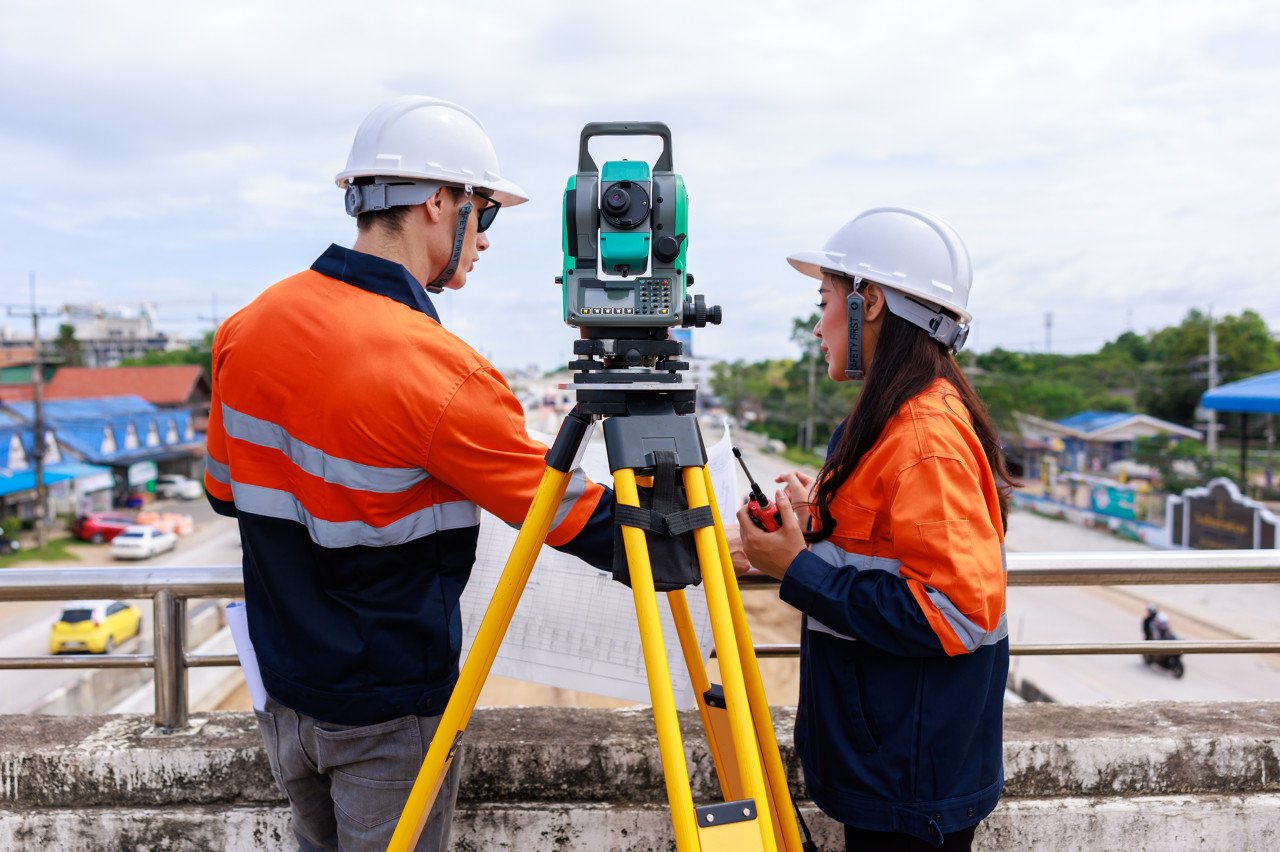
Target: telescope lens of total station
[[617, 199]]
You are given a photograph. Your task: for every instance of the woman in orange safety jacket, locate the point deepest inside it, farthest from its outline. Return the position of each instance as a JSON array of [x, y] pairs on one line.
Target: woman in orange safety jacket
[[905, 646]]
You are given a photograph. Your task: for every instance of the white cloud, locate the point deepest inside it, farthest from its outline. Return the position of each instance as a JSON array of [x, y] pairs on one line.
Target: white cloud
[[1111, 163]]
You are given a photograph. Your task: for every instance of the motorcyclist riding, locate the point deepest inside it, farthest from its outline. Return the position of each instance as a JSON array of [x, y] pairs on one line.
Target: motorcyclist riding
[[1156, 627]]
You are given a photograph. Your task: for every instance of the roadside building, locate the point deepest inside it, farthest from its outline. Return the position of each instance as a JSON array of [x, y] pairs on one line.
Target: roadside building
[[136, 440], [179, 387], [108, 334], [72, 486], [1087, 442], [15, 372]]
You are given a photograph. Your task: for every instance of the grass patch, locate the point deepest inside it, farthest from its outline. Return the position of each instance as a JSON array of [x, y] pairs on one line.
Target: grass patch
[[57, 550], [800, 457]]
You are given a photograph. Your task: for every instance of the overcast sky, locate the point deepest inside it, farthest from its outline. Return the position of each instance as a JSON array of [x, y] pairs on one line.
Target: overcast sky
[[1111, 163]]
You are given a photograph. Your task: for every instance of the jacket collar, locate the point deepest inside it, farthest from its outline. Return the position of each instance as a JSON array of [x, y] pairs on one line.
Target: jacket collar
[[375, 274]]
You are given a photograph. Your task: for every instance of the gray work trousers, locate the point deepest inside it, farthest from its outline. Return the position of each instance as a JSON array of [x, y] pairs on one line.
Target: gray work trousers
[[347, 784]]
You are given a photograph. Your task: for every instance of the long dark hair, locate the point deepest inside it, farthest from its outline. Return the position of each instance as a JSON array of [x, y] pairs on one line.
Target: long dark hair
[[906, 362]]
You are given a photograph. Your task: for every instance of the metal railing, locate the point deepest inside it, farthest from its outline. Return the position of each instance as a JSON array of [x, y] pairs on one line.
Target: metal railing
[[1128, 568], [171, 588]]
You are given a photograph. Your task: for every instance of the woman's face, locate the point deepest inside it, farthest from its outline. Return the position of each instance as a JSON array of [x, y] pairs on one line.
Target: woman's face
[[833, 325]]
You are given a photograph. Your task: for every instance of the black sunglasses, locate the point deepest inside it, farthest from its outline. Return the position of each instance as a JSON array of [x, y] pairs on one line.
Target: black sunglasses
[[485, 215]]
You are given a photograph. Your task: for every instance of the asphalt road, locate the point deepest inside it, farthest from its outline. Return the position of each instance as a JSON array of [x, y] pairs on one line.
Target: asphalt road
[[24, 627]]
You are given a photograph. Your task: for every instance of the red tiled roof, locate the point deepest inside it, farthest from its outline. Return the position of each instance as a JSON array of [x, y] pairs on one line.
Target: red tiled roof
[[171, 385], [16, 356]]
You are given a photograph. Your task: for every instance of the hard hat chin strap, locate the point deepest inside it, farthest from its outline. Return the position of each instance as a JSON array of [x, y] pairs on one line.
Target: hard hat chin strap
[[853, 363], [459, 237], [940, 325]]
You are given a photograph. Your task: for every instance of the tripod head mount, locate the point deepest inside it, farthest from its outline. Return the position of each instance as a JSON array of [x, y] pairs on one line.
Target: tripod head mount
[[612, 370]]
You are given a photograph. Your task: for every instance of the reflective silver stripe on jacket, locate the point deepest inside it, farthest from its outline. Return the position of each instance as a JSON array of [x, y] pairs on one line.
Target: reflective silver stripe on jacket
[[971, 635], [281, 504], [573, 491], [217, 470], [829, 552], [817, 626], [334, 470]]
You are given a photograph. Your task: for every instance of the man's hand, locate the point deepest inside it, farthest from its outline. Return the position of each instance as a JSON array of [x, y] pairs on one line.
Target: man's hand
[[741, 564], [772, 552]]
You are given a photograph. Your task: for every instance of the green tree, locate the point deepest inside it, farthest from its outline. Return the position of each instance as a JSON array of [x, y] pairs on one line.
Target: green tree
[[1245, 348], [1154, 373], [1181, 464], [201, 355], [67, 347]]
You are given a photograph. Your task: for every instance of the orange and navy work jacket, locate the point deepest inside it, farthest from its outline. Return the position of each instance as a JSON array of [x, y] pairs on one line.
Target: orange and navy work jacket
[[356, 440], [905, 649]]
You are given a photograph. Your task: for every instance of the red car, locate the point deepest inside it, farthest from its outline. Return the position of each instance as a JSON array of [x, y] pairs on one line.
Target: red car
[[98, 527]]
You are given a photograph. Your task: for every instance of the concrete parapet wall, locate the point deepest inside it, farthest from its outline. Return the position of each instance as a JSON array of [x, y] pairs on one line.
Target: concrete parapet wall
[[1143, 776]]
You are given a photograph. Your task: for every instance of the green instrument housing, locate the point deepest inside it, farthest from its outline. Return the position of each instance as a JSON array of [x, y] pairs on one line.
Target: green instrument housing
[[625, 237]]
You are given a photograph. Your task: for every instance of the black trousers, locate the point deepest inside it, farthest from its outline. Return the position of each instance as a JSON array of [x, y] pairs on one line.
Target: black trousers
[[861, 840]]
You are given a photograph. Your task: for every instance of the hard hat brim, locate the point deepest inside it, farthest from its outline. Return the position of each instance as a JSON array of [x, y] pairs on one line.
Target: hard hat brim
[[812, 263], [506, 193]]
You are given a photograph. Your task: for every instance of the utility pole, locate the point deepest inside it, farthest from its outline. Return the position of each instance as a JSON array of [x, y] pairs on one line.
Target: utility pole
[[1213, 383], [1048, 333], [215, 317], [813, 395], [37, 386]]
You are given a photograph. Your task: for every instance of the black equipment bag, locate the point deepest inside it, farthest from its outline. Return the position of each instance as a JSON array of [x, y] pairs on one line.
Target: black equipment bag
[[669, 523]]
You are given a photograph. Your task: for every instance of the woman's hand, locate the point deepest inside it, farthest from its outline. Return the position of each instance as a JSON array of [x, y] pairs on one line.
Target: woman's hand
[[799, 487], [772, 552]]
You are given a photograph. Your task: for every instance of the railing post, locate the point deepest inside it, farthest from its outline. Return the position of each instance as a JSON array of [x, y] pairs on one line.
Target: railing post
[[171, 670]]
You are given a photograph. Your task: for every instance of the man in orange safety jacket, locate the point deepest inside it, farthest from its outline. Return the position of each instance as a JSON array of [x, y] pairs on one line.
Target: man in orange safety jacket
[[356, 440]]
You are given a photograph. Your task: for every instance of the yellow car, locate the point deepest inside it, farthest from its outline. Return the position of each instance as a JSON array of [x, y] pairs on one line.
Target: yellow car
[[96, 627]]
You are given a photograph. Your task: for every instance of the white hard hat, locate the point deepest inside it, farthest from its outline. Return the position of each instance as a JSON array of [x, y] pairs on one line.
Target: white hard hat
[[905, 250], [428, 140]]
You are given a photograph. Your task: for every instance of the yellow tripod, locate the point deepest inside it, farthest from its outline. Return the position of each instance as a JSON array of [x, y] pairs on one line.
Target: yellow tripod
[[757, 811]]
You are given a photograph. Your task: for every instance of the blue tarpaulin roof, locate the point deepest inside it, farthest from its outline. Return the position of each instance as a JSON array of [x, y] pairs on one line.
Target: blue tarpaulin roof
[[1094, 421], [1256, 394], [86, 409], [16, 481], [83, 425]]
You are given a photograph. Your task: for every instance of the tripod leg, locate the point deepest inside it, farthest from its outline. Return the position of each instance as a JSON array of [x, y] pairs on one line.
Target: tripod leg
[[775, 771], [731, 669], [714, 721], [515, 575], [674, 769]]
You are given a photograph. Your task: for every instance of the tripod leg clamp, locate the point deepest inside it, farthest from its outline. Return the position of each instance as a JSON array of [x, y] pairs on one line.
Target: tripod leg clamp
[[665, 515]]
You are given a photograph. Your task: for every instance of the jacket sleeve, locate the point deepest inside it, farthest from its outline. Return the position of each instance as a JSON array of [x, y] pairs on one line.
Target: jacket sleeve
[[948, 594], [952, 554], [480, 447], [217, 472], [869, 605]]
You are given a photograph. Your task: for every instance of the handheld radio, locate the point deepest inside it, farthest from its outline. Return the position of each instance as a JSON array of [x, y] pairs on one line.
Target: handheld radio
[[762, 514]]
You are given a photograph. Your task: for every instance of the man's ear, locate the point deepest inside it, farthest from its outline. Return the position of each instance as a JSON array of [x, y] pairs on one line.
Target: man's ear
[[435, 205], [874, 299]]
